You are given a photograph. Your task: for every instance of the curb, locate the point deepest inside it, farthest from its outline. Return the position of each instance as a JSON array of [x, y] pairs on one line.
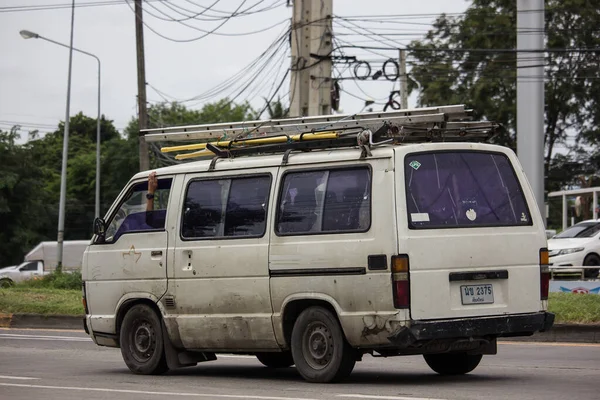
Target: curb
[[565, 333], [571, 333], [41, 321]]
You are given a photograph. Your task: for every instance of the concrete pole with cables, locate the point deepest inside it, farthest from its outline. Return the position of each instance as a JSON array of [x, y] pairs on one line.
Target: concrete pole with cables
[[300, 58], [311, 65], [403, 79], [321, 46]]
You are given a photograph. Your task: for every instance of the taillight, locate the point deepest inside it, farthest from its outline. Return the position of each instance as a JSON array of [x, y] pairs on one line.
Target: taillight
[[84, 298], [401, 281], [544, 274]]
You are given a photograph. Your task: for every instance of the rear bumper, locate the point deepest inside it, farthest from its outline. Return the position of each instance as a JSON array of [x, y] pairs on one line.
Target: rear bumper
[[504, 326]]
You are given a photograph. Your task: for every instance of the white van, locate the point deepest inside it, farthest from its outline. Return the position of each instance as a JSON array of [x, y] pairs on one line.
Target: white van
[[315, 258]]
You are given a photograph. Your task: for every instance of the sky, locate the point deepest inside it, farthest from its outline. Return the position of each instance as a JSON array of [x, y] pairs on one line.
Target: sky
[[33, 72]]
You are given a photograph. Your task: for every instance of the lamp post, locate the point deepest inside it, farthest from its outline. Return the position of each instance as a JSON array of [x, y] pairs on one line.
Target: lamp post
[[31, 35]]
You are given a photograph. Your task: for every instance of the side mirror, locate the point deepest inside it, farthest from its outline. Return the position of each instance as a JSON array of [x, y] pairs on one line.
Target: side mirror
[[99, 228]]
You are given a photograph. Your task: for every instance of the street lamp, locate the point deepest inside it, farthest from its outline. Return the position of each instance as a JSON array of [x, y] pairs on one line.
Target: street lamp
[[32, 35]]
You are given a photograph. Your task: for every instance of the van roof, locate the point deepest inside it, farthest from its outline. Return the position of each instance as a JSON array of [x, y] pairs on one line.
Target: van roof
[[316, 157]]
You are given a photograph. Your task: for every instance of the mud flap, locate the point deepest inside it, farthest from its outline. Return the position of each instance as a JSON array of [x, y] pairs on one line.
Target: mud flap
[[178, 359]]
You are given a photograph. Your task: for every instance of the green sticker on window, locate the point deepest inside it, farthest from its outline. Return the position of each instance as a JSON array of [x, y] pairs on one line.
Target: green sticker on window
[[415, 164]]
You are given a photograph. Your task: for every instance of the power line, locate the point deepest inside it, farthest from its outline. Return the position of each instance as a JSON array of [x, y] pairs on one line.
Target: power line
[[47, 7]]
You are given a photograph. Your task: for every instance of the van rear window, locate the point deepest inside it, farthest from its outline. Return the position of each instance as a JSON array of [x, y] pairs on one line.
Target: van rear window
[[455, 189]]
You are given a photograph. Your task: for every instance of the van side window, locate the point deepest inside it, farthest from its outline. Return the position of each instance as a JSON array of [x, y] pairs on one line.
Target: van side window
[[132, 215], [337, 200], [226, 208]]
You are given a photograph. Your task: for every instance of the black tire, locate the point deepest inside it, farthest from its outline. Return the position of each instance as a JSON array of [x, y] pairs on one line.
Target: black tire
[[276, 360], [6, 283], [591, 261], [319, 348], [142, 344], [452, 363]]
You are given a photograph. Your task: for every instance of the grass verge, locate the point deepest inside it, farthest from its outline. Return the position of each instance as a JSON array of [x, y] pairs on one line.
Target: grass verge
[[40, 301], [568, 307], [575, 308]]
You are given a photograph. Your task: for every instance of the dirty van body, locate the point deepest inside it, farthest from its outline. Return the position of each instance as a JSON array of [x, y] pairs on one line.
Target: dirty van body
[[430, 248]]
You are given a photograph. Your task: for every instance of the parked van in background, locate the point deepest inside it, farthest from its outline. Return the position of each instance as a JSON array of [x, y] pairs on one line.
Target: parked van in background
[[385, 238]]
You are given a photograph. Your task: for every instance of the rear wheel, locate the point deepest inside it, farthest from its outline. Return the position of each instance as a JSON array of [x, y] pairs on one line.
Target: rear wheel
[[591, 261], [276, 360], [142, 343], [319, 348], [6, 283], [452, 363]]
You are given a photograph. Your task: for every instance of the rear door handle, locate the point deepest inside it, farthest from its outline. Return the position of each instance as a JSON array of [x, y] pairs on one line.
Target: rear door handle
[[156, 253]]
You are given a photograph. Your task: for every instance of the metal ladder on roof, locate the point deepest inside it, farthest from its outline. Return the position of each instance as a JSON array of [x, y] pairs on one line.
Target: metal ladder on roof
[[364, 130]]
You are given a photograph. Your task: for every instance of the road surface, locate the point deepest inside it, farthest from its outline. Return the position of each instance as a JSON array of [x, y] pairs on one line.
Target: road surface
[[53, 365]]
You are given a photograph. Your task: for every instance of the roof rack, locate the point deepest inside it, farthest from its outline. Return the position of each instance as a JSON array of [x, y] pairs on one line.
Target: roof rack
[[364, 130]]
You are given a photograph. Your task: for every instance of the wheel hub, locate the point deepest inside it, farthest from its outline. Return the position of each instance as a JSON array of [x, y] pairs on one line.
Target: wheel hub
[[318, 345], [144, 341]]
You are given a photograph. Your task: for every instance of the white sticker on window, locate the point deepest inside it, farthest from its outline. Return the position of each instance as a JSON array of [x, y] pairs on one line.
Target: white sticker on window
[[419, 217], [471, 214], [415, 164], [523, 217]]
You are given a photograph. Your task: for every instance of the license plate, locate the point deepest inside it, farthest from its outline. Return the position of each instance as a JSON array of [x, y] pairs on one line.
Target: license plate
[[477, 294]]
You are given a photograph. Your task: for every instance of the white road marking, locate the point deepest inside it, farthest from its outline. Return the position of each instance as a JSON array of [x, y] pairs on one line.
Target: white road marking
[[19, 378], [552, 344], [234, 356], [369, 396], [44, 337], [147, 392]]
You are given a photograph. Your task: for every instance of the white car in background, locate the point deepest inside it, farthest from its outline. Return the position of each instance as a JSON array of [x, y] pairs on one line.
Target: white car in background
[[578, 245]]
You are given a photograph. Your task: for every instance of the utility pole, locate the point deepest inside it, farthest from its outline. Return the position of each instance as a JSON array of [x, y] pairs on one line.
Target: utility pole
[[141, 69], [403, 80], [310, 83], [530, 94], [321, 44], [300, 48]]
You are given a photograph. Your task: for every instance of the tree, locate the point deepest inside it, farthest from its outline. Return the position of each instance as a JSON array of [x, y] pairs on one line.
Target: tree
[[277, 110], [176, 114], [486, 80], [81, 173], [23, 198], [446, 72]]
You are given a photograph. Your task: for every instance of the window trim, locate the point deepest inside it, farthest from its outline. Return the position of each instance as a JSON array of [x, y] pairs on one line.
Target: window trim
[[231, 177], [365, 166], [127, 193], [498, 153]]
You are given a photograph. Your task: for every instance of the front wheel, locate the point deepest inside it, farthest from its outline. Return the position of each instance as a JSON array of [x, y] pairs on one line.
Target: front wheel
[[591, 261], [276, 360], [452, 363], [319, 348], [142, 342], [6, 283]]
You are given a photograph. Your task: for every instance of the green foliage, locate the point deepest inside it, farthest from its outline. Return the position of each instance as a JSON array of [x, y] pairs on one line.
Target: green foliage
[[277, 110], [55, 280], [23, 198], [30, 173], [176, 114], [486, 80], [41, 301]]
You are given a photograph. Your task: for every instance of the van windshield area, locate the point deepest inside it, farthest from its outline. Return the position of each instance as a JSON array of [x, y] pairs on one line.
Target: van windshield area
[[581, 230], [457, 189]]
